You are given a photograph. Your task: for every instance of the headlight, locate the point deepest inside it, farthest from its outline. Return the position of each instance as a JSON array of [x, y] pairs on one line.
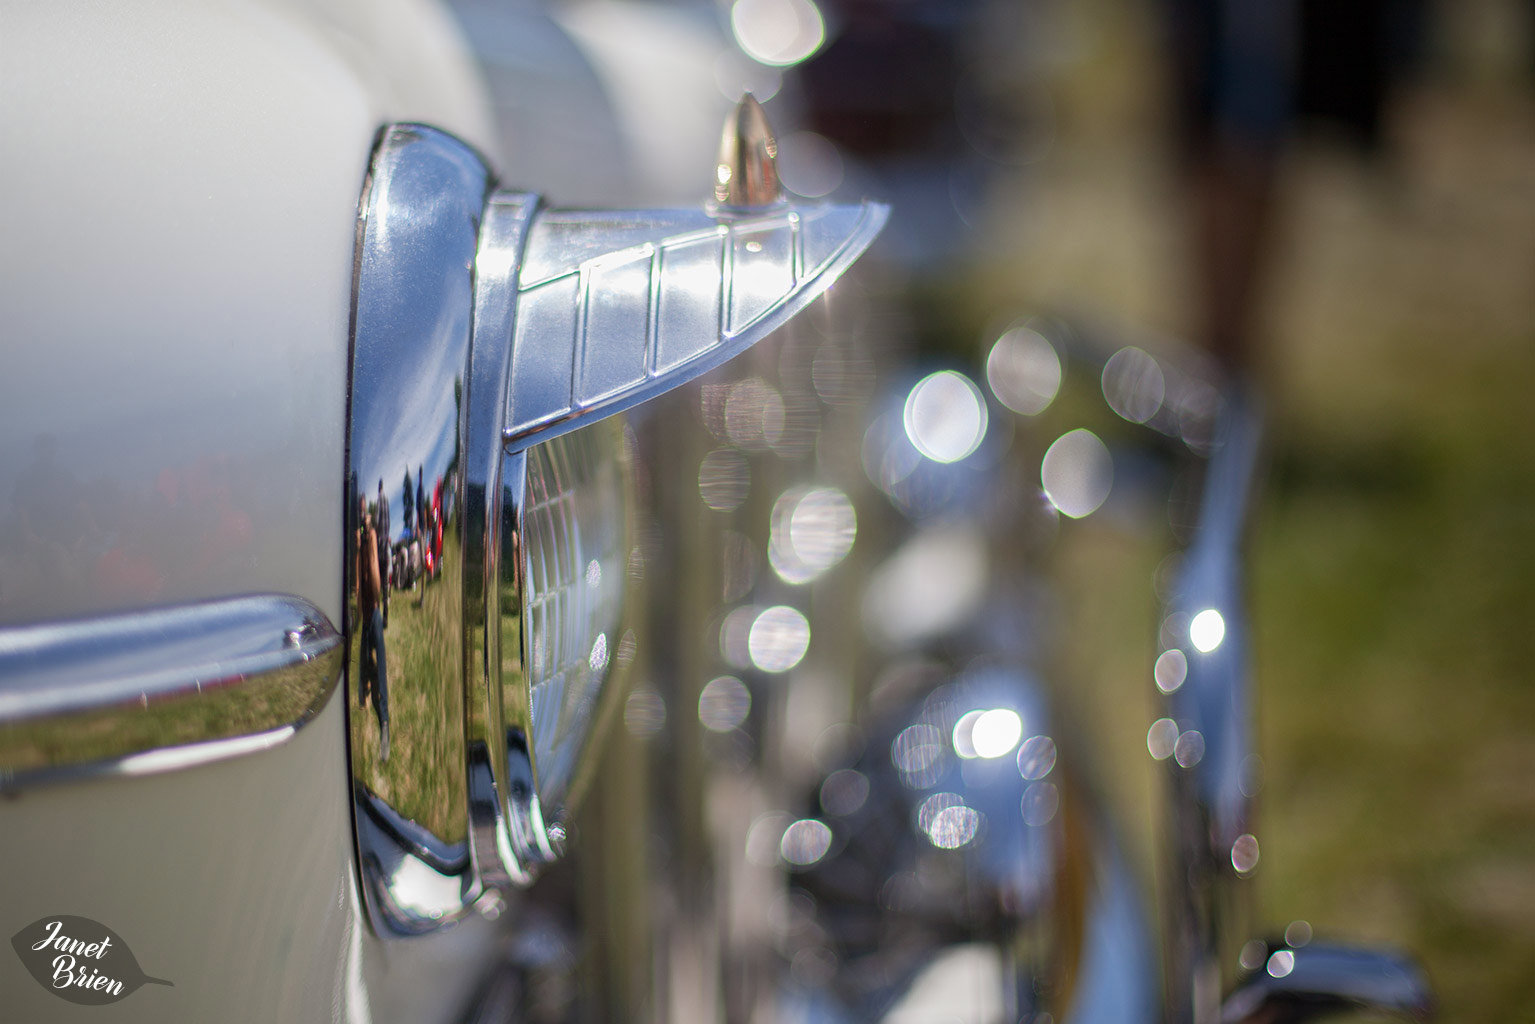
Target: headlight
[[574, 558], [487, 531]]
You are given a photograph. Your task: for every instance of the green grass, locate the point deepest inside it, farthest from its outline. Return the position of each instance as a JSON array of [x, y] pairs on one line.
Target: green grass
[[1400, 719], [426, 719]]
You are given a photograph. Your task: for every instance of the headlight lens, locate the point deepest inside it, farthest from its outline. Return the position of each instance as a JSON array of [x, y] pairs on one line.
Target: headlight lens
[[574, 554]]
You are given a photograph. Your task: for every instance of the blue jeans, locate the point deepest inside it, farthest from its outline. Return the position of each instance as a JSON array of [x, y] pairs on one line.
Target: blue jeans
[[375, 667]]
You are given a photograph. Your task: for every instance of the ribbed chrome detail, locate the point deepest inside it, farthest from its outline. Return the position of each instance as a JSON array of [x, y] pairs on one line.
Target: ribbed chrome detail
[[616, 308]]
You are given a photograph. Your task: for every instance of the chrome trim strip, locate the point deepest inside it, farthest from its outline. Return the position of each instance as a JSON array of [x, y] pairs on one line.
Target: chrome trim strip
[[502, 235], [162, 689], [1210, 771]]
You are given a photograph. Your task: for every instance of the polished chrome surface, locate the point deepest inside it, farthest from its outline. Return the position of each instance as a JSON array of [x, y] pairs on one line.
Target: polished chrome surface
[[509, 792], [485, 591], [1296, 982], [507, 216], [1205, 676], [1204, 680], [1206, 622], [617, 308], [947, 835], [418, 236], [842, 795], [1201, 669], [162, 689]]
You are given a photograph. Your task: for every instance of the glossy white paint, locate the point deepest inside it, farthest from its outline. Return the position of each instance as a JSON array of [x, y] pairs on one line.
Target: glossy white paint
[[178, 204], [235, 882], [178, 200]]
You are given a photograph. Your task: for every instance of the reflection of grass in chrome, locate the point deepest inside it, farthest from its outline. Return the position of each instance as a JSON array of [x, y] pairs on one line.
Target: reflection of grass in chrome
[[424, 778], [240, 708]]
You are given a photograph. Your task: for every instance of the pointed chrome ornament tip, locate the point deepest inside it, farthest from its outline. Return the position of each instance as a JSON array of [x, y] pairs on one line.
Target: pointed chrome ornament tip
[[746, 173]]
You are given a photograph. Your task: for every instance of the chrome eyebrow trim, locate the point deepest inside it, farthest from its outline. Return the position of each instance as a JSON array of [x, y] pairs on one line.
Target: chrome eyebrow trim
[[699, 286], [160, 690]]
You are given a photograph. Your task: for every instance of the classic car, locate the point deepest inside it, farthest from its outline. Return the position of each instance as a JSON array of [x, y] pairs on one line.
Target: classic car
[[357, 661]]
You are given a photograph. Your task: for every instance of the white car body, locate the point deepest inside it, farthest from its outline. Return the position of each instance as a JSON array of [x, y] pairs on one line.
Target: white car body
[[181, 189]]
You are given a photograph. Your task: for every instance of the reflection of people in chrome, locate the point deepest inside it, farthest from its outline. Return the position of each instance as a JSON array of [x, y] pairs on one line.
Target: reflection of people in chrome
[[384, 568], [373, 667], [423, 522]]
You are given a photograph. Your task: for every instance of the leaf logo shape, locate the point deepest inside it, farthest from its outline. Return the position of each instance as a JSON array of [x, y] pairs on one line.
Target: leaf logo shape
[[80, 960]]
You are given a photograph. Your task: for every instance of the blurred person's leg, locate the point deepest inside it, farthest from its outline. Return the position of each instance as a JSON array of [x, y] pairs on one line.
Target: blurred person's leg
[[1232, 73], [380, 682]]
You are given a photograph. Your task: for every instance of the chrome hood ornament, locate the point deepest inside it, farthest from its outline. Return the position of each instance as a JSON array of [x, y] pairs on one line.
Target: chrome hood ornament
[[486, 326]]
